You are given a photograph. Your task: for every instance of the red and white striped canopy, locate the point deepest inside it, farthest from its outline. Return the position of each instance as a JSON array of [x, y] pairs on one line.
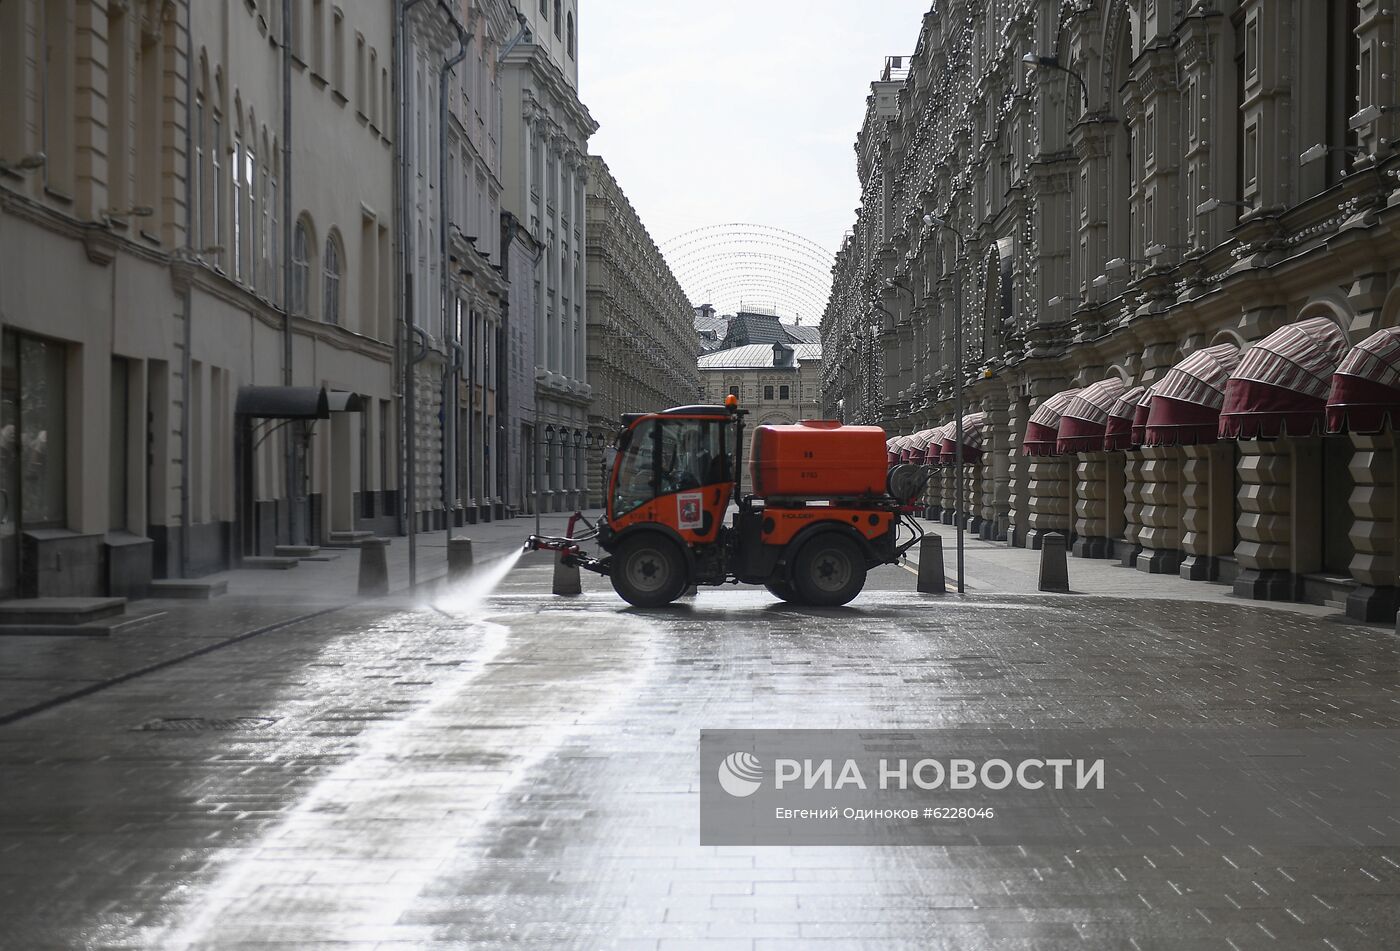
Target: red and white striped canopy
[[972, 425], [1281, 384], [1118, 429], [1086, 417], [1043, 429], [1185, 404], [933, 451], [1366, 387]]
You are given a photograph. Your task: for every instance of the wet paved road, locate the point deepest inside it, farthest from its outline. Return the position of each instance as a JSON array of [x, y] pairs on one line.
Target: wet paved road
[[524, 775]]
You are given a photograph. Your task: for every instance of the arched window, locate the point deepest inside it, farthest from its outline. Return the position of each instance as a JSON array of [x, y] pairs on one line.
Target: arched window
[[331, 294], [558, 19], [570, 35], [301, 268]]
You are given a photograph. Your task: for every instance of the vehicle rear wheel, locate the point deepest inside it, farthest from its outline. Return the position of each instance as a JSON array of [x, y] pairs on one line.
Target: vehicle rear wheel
[[829, 571], [649, 571]]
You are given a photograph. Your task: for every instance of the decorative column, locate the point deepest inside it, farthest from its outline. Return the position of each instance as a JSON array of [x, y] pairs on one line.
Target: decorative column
[[996, 467], [1091, 506], [1198, 564], [1263, 553], [972, 497], [1049, 489], [1160, 534], [1133, 500], [1375, 500], [1016, 497]]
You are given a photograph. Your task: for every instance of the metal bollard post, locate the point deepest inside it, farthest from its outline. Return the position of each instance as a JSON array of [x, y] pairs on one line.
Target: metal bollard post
[[931, 580], [459, 559], [1054, 566], [566, 577], [374, 567]]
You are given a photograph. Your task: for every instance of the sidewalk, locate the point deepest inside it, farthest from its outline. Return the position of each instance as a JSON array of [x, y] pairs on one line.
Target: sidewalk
[[995, 568], [37, 672]]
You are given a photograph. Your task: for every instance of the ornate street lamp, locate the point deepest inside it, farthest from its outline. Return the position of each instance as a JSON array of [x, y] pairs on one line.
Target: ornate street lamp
[[1036, 61]]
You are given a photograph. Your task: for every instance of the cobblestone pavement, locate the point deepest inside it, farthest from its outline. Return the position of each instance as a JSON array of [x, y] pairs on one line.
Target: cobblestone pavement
[[523, 773]]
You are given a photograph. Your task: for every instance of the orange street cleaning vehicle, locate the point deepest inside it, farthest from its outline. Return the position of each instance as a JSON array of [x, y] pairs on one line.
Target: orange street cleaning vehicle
[[824, 508]]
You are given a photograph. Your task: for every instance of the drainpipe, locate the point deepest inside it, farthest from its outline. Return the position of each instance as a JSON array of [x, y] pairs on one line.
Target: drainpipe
[[407, 496], [186, 361], [294, 430], [453, 373]]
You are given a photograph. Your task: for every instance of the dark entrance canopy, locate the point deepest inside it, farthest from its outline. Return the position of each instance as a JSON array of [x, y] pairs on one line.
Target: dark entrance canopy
[[282, 402]]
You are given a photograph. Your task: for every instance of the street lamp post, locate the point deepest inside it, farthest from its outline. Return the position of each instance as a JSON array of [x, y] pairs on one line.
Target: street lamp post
[[548, 441], [958, 509], [580, 471]]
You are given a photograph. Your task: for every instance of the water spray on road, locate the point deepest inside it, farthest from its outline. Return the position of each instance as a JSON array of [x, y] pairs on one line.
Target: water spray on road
[[467, 596]]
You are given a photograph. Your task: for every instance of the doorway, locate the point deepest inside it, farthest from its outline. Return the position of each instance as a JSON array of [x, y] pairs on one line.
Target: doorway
[[33, 446]]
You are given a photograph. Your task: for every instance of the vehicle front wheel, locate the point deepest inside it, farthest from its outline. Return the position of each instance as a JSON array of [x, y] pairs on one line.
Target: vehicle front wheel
[[829, 571], [649, 571]]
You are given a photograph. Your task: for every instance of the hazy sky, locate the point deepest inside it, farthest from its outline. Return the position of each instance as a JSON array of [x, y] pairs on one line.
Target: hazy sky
[[737, 111]]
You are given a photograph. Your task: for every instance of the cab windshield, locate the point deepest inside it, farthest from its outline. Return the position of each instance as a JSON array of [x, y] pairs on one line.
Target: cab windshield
[[665, 456]]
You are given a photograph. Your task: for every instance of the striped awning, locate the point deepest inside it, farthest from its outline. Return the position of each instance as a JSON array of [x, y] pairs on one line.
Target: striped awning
[[972, 425], [933, 451], [1281, 384], [1185, 403], [1366, 387], [1086, 417], [891, 450], [1118, 428], [1043, 429], [906, 448]]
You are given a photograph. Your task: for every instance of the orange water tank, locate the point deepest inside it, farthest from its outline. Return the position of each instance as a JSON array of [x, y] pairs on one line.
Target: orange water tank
[[817, 459]]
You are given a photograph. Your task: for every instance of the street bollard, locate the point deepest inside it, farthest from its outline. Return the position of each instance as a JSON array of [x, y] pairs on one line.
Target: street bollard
[[566, 577], [1054, 565], [459, 559], [374, 567], [931, 580]]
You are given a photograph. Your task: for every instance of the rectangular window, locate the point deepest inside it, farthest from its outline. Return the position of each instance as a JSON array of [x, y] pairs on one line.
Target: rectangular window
[[197, 186], [1251, 49], [118, 446], [1251, 159], [733, 391], [255, 222], [767, 392], [274, 263], [237, 208], [318, 37], [361, 99], [1149, 156], [338, 51], [372, 106], [784, 393], [216, 185]]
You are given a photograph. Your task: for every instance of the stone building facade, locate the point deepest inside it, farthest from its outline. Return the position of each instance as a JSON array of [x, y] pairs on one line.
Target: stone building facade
[[171, 262], [1196, 199], [778, 383], [641, 341], [544, 150]]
